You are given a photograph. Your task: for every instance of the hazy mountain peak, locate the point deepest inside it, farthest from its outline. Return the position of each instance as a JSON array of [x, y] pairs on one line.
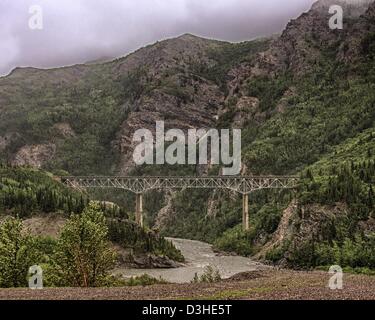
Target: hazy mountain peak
[[188, 36], [354, 7]]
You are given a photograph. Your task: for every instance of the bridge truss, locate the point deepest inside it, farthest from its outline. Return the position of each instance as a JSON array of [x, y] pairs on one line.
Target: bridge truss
[[140, 185]]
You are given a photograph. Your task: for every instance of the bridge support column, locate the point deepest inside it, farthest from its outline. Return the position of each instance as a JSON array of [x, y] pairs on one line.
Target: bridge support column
[[139, 209], [245, 212]]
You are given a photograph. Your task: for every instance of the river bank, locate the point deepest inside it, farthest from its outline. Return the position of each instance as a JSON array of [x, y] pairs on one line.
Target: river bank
[[198, 256], [242, 278]]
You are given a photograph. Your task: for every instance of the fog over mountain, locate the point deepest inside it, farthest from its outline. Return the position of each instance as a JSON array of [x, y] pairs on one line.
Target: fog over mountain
[[76, 31]]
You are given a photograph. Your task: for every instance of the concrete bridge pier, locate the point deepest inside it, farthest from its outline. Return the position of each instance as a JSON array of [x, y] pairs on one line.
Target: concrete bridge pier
[[245, 212], [139, 209]]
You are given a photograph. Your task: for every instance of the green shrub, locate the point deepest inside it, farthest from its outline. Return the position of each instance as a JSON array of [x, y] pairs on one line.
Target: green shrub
[[144, 280], [210, 275], [277, 253], [235, 240]]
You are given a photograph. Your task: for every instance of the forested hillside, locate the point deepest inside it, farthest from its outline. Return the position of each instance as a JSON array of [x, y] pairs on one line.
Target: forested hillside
[[29, 195]]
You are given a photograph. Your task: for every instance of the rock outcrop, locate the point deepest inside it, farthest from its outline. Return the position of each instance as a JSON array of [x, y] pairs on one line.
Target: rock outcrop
[[34, 155]]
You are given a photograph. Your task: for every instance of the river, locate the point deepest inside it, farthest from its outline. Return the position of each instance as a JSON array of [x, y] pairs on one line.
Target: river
[[198, 256]]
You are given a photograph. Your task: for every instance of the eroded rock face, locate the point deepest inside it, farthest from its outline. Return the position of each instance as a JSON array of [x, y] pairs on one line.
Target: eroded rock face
[[305, 39], [193, 105], [303, 223], [354, 8], [283, 103], [354, 46], [247, 108], [166, 212], [302, 42], [178, 96], [34, 155]]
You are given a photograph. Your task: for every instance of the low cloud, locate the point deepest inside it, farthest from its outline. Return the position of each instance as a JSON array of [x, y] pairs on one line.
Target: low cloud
[[76, 31]]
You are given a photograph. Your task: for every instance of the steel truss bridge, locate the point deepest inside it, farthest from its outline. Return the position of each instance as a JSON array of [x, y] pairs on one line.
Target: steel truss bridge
[[140, 185]]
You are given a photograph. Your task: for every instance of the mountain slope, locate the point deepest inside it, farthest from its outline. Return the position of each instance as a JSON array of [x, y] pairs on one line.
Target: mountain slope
[[296, 114]]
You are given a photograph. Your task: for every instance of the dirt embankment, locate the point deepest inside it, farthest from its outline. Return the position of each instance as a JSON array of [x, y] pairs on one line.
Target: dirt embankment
[[45, 225]]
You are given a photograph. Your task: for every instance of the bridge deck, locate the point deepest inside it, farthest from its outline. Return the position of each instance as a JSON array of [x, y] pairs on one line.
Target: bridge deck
[[241, 184]]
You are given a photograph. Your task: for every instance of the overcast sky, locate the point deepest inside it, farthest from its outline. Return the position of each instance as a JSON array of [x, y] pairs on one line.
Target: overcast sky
[[76, 31]]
